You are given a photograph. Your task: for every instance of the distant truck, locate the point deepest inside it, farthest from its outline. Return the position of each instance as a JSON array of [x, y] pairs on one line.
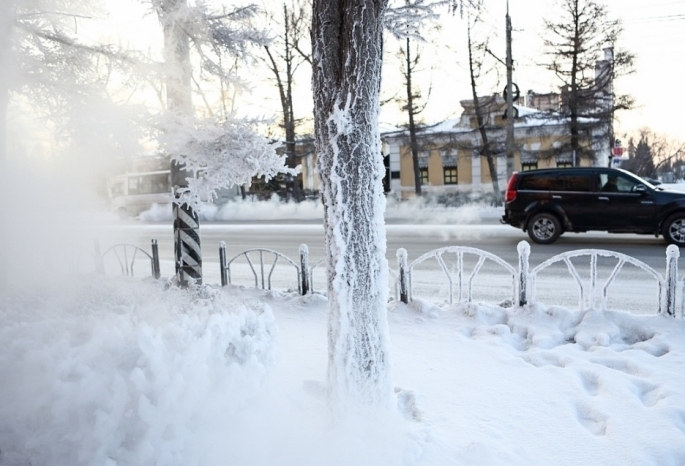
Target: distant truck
[[133, 193]]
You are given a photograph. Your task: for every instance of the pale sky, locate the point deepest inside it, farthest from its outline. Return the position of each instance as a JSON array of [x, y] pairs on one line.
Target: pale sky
[[654, 31]]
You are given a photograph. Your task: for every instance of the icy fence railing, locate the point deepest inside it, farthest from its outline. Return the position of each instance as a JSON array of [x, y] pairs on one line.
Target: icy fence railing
[[524, 283], [523, 278], [302, 270], [124, 256]]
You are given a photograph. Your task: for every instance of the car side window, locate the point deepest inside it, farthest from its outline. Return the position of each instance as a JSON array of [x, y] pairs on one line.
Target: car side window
[[578, 183], [616, 183], [537, 183]]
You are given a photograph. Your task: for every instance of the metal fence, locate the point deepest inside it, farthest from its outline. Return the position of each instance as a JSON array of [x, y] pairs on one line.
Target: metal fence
[[262, 262], [460, 281]]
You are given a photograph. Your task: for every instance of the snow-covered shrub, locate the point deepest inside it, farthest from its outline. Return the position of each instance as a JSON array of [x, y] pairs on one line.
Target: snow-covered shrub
[[125, 372]]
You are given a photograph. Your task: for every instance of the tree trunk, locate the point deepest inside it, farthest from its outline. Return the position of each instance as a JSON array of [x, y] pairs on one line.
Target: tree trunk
[[412, 125], [485, 150], [573, 97], [187, 248], [347, 58]]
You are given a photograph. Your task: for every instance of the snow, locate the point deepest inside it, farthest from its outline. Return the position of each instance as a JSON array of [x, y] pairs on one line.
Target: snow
[[130, 372], [414, 210]]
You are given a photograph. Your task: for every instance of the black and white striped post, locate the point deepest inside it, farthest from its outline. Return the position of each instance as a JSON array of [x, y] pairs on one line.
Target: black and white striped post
[[187, 251], [187, 245]]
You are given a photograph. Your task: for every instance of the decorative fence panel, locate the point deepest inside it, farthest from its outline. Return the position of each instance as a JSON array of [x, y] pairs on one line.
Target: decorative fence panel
[[524, 288], [406, 272], [126, 256], [262, 277], [524, 279]]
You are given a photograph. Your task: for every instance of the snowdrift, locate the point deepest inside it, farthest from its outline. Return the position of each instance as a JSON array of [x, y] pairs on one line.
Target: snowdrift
[[129, 372]]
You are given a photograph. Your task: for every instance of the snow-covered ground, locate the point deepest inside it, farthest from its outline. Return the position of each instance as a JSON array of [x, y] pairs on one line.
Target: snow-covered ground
[[122, 371], [131, 372]]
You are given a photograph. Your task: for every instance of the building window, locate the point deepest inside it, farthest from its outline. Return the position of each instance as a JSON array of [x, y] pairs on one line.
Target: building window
[[424, 175], [449, 157], [564, 164], [525, 166], [450, 175], [395, 175], [423, 158]]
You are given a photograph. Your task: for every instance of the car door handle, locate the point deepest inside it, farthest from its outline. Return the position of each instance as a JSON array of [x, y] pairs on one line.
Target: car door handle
[[556, 197], [603, 198]]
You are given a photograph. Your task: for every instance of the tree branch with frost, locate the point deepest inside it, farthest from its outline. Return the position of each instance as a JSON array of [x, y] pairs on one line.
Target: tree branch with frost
[[409, 19], [223, 154]]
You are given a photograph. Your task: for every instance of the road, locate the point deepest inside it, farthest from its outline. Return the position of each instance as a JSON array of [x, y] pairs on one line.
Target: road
[[286, 237], [635, 290]]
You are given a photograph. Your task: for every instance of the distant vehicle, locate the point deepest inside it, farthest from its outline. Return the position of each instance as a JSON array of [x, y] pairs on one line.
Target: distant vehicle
[[133, 193], [652, 181], [668, 177], [549, 202]]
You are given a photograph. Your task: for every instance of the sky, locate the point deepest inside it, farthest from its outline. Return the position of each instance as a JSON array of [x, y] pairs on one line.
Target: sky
[[654, 31]]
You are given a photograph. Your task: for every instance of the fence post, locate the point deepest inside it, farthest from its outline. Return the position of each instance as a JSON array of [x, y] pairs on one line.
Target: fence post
[[304, 269], [523, 249], [672, 255], [99, 262], [222, 263], [404, 282], [155, 260]]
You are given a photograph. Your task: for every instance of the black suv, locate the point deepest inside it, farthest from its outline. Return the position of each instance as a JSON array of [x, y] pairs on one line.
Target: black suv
[[550, 202]]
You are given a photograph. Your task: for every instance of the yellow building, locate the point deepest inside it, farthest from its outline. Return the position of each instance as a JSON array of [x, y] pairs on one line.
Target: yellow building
[[449, 152]]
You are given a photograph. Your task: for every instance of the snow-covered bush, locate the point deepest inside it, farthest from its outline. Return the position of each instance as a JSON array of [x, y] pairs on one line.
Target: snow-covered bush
[[125, 372]]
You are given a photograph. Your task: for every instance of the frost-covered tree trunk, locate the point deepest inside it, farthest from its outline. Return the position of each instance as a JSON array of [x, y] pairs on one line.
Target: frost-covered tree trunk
[[347, 57], [178, 71]]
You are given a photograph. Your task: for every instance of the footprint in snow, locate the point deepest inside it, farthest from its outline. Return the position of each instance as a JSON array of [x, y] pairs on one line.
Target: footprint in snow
[[590, 382], [621, 365], [541, 359], [594, 421], [648, 393]]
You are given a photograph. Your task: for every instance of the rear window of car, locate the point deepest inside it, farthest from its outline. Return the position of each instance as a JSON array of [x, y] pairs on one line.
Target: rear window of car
[[572, 183], [537, 183]]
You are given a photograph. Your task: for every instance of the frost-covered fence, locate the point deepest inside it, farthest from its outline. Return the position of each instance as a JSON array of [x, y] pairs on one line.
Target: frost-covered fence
[[262, 276], [406, 272], [667, 285], [126, 256], [524, 283]]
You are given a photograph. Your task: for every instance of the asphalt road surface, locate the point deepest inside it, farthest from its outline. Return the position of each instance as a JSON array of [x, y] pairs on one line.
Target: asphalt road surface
[[287, 236]]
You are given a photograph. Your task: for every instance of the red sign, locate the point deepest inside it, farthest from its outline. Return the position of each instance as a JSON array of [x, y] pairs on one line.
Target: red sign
[[617, 151]]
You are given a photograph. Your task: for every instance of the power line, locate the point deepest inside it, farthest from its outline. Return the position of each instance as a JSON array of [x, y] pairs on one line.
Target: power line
[[656, 19]]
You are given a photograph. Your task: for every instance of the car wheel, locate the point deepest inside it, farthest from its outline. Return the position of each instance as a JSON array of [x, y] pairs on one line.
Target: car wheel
[[123, 213], [544, 228], [674, 229]]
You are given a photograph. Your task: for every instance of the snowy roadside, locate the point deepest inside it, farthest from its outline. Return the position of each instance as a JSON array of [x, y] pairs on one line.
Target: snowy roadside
[[411, 211], [128, 372], [418, 211]]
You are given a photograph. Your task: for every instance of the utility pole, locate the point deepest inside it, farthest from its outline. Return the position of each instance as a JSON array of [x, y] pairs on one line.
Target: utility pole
[[510, 101]]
